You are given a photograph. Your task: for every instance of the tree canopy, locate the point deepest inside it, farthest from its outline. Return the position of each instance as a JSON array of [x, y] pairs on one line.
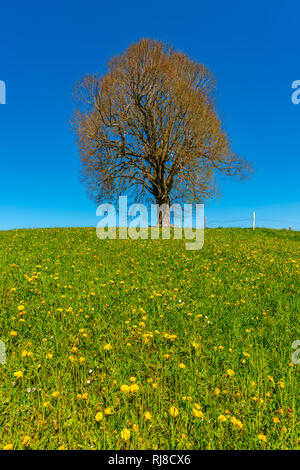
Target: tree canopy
[[150, 125]]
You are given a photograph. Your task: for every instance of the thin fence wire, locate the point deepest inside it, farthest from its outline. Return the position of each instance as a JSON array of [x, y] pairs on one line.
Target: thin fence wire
[[259, 222]]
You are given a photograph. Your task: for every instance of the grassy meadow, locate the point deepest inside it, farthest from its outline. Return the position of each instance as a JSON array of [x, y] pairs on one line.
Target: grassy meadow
[[122, 344]]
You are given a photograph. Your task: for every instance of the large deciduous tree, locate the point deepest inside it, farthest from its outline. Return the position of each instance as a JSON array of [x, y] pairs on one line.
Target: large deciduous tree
[[150, 125]]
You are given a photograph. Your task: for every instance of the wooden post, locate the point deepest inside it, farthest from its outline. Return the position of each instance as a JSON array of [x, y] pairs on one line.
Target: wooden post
[[253, 220], [205, 222]]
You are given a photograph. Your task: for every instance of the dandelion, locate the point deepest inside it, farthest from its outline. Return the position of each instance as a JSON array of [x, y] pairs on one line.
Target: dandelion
[[148, 416], [26, 441], [134, 388], [55, 394], [132, 379], [197, 413], [8, 447], [46, 404], [281, 383], [173, 411], [107, 347], [237, 423], [125, 434], [18, 374], [230, 372], [125, 388], [217, 391], [276, 420], [186, 398], [13, 333], [182, 366], [99, 416], [82, 360], [107, 411], [222, 418], [262, 437]]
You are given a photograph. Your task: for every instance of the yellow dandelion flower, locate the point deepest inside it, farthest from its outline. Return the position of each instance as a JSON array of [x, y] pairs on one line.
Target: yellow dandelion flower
[[222, 418], [125, 388], [186, 398], [148, 416], [197, 413], [237, 423], [55, 394], [276, 420], [134, 388], [125, 434], [99, 416], [132, 379], [107, 347], [13, 333], [217, 391], [262, 437], [8, 447], [230, 372], [18, 374], [107, 411], [182, 366], [82, 360], [26, 441], [173, 411]]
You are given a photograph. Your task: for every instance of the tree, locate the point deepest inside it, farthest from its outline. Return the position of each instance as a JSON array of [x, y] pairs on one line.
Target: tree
[[150, 125]]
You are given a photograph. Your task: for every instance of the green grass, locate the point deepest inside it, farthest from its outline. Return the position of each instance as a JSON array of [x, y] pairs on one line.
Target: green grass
[[232, 306]]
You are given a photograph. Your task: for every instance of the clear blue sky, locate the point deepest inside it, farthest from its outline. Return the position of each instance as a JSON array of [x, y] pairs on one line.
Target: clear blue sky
[[251, 46]]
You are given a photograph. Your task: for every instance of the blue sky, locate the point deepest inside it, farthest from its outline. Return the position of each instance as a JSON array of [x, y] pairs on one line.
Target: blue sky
[[252, 47]]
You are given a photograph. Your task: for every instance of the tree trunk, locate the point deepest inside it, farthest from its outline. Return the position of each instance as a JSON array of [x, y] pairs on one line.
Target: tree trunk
[[163, 211]]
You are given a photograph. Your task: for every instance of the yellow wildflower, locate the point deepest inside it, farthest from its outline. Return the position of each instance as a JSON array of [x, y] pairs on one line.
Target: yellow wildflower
[[18, 374], [26, 441], [99, 416], [125, 434], [197, 413], [173, 411], [8, 447]]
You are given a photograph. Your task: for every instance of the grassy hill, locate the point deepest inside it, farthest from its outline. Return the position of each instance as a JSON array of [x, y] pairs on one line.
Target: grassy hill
[[144, 345]]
